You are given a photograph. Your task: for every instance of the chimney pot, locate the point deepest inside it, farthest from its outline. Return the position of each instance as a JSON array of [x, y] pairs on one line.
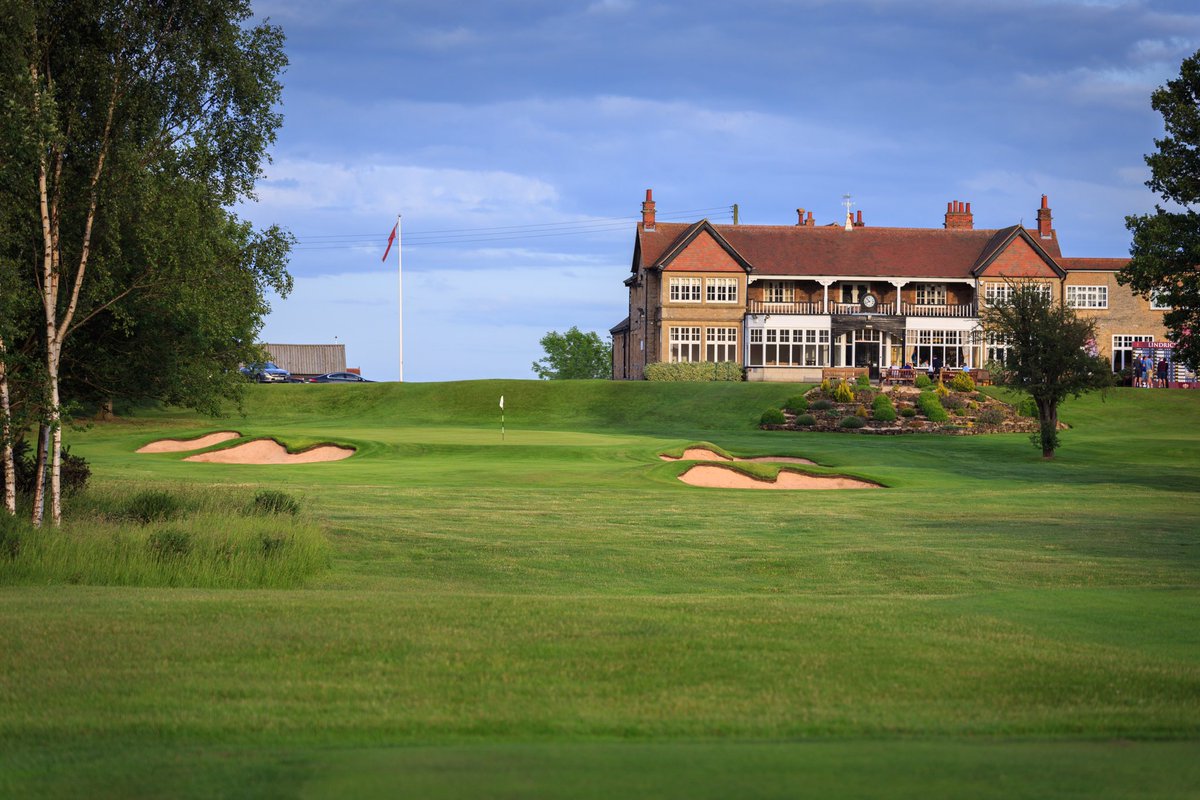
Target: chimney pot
[[800, 216], [810, 222]]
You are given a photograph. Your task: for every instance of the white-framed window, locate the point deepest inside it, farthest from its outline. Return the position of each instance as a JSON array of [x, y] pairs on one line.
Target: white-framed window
[[943, 348], [1087, 296], [685, 344], [1156, 302], [1122, 348], [994, 293], [996, 347], [720, 344], [931, 294], [778, 292], [722, 290], [685, 290], [789, 347]]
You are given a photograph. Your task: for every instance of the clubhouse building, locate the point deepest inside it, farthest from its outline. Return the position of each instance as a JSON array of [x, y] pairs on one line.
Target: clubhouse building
[[787, 301]]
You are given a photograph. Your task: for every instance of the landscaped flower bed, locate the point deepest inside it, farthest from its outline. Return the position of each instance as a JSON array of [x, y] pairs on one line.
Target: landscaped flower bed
[[858, 408]]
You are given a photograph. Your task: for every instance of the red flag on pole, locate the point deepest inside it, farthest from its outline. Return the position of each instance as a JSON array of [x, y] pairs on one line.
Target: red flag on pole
[[391, 238]]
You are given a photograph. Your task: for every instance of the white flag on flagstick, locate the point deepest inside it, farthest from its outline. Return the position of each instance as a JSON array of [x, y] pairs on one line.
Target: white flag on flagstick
[[501, 402]]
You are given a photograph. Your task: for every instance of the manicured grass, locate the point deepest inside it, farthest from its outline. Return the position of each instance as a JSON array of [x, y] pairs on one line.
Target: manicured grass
[[554, 614]]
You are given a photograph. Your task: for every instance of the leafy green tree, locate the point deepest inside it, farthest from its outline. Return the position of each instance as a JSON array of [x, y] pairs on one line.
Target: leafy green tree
[[1165, 252], [123, 121], [574, 354], [1051, 353]]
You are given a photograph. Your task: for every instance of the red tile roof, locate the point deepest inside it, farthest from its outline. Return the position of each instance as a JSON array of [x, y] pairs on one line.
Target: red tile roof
[[832, 250], [1093, 264]]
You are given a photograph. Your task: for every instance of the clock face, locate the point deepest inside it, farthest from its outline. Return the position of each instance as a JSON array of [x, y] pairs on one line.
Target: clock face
[[869, 301]]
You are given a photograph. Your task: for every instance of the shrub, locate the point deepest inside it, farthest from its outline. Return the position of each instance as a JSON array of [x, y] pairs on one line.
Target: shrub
[[952, 401], [1027, 408], [863, 381], [820, 405], [941, 389], [772, 416], [169, 543], [842, 393], [697, 371], [151, 506], [931, 407], [962, 382], [853, 422], [908, 411], [74, 475], [882, 409], [805, 420], [826, 386], [990, 416], [270, 501], [922, 381], [861, 411], [797, 404], [996, 370]]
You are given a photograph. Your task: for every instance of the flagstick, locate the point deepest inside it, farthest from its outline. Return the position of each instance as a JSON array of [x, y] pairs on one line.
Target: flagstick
[[400, 294]]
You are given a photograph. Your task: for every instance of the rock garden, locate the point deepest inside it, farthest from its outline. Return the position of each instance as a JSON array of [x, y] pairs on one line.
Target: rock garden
[[955, 408]]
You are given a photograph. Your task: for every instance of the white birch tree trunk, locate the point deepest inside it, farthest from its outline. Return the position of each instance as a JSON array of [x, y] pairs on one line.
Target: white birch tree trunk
[[6, 450]]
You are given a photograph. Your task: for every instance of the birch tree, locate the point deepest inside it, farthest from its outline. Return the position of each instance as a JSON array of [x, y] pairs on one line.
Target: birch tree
[[115, 101]]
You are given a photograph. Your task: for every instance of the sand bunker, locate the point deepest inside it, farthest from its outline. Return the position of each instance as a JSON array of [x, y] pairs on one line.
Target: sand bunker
[[704, 454], [269, 451], [180, 445], [721, 478]]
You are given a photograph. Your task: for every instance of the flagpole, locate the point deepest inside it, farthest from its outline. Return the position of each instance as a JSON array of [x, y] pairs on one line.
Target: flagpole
[[400, 294]]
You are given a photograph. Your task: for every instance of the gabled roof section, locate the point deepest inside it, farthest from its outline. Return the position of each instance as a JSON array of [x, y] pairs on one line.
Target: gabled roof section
[[688, 236], [1004, 239]]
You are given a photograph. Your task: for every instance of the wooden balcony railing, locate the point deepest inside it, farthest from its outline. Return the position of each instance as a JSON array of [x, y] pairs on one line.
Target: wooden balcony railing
[[950, 310], [959, 310], [763, 307]]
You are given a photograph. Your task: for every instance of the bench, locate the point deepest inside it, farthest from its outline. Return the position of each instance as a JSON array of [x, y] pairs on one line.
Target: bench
[[981, 377], [843, 373], [897, 375]]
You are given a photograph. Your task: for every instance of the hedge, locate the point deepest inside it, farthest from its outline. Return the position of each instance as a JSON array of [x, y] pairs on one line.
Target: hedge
[[699, 371]]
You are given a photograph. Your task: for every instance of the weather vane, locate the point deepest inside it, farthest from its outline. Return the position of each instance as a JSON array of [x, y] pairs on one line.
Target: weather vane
[[847, 202]]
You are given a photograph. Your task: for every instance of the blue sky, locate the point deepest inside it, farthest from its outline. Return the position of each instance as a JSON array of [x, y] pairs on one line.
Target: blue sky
[[480, 121]]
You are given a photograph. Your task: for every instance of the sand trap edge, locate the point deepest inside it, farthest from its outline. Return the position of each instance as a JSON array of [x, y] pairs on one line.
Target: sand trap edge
[[183, 445], [713, 477], [271, 451], [705, 454]]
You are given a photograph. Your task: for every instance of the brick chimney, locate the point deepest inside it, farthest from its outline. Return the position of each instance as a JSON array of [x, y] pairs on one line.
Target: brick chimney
[[858, 223], [800, 217], [1045, 229], [959, 216], [648, 211]]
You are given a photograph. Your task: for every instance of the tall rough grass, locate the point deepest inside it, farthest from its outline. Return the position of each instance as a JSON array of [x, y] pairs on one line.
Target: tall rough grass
[[215, 540]]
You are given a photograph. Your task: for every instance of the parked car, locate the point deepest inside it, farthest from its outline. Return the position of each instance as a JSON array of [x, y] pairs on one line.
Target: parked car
[[266, 372], [339, 377]]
